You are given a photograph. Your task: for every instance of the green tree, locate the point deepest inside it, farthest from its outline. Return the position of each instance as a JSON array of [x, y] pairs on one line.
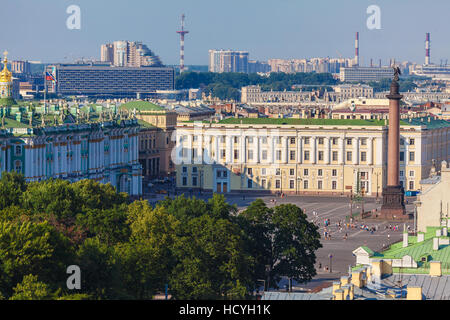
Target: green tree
[[32, 248], [31, 289], [100, 277], [12, 185], [283, 240], [211, 261]]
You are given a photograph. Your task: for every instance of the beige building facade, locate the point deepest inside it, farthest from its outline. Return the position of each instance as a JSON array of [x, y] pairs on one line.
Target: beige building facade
[[303, 156]]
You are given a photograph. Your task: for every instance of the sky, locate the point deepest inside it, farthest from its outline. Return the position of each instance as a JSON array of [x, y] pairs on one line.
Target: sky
[[36, 29]]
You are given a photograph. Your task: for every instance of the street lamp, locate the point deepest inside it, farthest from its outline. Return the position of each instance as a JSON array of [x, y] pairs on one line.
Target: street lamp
[[331, 257], [299, 180]]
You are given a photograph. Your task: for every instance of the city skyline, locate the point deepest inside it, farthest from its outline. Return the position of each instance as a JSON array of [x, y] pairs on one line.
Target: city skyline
[[297, 29]]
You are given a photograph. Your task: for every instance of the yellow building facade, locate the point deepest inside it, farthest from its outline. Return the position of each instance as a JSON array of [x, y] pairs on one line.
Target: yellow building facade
[[302, 156]]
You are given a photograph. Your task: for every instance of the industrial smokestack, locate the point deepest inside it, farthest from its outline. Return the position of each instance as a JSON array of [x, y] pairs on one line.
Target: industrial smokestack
[[371, 63], [357, 49], [427, 49]]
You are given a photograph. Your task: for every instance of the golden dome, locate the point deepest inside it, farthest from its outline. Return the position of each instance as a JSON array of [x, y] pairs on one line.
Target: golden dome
[[5, 74]]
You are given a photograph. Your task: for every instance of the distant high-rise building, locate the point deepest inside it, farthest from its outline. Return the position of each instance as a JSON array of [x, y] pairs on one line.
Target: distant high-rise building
[[20, 67], [228, 61], [258, 66], [365, 74], [129, 54]]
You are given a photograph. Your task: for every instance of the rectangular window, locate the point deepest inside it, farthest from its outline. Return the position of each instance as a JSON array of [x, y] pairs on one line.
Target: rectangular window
[[402, 142], [401, 173], [292, 140], [263, 171], [402, 156], [319, 184], [334, 172], [411, 185], [349, 156], [320, 141], [319, 172], [249, 171], [411, 156], [305, 172], [235, 139], [278, 155], [263, 183], [411, 142], [305, 184], [236, 154], [306, 141], [306, 156], [184, 169], [222, 153], [277, 171], [334, 141], [194, 181], [363, 141], [264, 155], [250, 154], [291, 184], [218, 173], [349, 141], [184, 181], [291, 172], [320, 155], [411, 173], [224, 173], [264, 140], [194, 169], [249, 183], [277, 184], [333, 185], [292, 155], [363, 156], [335, 156]]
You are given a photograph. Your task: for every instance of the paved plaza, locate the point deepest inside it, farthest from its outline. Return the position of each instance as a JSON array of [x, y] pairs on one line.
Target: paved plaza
[[319, 208]]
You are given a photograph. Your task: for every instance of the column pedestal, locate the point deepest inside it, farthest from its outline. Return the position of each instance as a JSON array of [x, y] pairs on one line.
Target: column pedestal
[[393, 207]]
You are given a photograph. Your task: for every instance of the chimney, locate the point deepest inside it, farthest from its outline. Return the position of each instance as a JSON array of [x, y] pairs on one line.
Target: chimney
[[435, 244], [405, 239], [357, 49], [427, 48]]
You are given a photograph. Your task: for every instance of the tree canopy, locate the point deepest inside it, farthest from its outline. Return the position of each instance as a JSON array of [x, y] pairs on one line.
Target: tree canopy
[[131, 250]]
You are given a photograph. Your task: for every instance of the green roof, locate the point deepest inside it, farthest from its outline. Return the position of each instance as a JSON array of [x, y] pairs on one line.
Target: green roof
[[295, 121], [368, 250], [419, 249], [431, 124], [7, 102], [145, 124], [142, 106]]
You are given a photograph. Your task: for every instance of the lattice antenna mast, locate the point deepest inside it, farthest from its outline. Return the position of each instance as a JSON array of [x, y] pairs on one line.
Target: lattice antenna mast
[[182, 32]]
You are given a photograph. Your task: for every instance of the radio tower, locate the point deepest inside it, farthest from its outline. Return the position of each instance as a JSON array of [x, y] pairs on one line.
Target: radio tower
[[182, 32]]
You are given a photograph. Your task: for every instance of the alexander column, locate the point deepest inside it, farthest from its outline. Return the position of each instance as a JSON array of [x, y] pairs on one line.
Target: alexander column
[[393, 194]]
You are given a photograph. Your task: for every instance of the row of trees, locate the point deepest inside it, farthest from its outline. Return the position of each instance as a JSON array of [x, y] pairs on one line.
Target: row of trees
[[130, 250], [227, 86]]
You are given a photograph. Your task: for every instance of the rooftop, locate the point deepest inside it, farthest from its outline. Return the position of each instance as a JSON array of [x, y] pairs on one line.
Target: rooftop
[[141, 105]]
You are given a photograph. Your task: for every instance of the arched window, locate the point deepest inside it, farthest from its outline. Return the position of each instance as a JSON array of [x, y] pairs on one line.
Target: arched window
[[18, 166]]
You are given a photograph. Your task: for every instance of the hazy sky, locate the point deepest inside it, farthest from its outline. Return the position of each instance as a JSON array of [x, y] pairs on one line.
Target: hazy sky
[[36, 29]]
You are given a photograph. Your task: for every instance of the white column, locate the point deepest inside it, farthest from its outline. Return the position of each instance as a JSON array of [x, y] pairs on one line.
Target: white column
[[369, 150], [406, 144], [199, 149], [313, 150], [271, 149], [341, 145], [379, 154], [327, 150], [356, 151], [189, 150], [243, 152], [299, 149], [217, 154], [257, 148], [228, 149], [284, 150]]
